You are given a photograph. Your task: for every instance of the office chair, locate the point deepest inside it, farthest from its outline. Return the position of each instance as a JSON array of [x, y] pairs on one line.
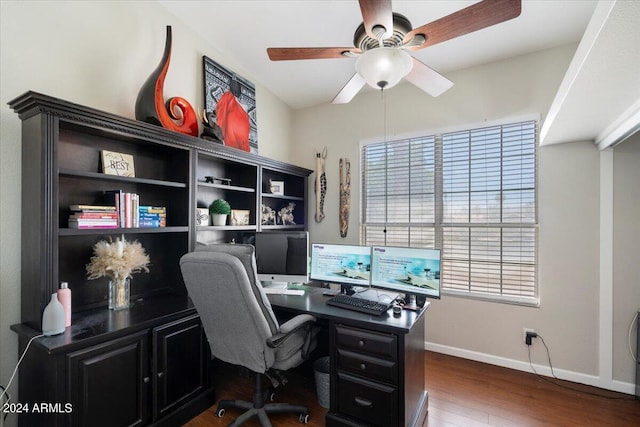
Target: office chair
[[240, 325]]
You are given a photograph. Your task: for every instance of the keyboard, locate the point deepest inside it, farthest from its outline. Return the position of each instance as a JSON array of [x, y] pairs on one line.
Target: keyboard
[[359, 304], [278, 291]]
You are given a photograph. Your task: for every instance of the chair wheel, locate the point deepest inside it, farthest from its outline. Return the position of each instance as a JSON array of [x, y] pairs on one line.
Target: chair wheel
[[304, 418], [220, 412]]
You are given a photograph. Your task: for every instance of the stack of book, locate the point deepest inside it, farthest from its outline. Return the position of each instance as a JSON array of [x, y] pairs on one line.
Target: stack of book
[[152, 216], [93, 216]]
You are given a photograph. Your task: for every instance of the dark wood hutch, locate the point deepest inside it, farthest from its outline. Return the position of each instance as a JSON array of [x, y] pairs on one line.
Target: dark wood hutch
[[148, 364]]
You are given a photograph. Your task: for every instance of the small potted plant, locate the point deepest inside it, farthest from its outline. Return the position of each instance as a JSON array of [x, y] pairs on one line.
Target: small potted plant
[[219, 210]]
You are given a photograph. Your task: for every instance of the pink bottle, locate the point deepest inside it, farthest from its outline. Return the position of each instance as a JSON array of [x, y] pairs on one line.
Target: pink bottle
[[64, 296]]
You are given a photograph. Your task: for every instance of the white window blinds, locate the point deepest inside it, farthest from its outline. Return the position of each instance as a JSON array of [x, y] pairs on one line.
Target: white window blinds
[[472, 194]]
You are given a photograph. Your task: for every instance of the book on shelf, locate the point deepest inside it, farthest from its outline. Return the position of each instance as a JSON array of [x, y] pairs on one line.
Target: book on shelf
[[116, 197], [92, 208], [93, 223], [153, 209], [94, 215]]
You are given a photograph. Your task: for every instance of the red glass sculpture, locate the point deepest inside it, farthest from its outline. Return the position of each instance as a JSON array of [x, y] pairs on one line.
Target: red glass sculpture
[[177, 114]]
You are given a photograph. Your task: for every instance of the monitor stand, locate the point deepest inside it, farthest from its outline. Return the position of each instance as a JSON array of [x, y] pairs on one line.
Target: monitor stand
[[274, 285], [411, 304]]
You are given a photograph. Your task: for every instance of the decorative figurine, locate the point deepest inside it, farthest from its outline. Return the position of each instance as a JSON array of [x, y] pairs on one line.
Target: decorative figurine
[[211, 131], [286, 214], [268, 215]]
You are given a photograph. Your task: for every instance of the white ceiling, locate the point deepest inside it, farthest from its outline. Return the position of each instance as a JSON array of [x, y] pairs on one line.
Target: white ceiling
[[243, 30]]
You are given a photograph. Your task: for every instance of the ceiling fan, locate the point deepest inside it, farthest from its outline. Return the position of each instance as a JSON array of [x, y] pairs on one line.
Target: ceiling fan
[[384, 38]]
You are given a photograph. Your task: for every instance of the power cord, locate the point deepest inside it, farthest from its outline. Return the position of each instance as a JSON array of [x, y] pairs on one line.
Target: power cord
[[542, 377], [633, 356], [6, 390]]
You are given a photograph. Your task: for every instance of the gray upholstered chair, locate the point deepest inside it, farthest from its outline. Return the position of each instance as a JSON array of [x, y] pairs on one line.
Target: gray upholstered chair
[[240, 325]]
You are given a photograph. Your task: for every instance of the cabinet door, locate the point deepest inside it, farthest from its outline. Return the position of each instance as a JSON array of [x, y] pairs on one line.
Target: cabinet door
[[179, 370], [108, 383]]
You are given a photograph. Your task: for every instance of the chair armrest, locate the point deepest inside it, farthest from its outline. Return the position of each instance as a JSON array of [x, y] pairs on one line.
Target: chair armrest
[[294, 323], [288, 328]]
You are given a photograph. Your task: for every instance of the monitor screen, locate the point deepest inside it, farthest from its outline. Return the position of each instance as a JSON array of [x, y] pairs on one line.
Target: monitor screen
[[282, 256], [410, 270], [345, 264]]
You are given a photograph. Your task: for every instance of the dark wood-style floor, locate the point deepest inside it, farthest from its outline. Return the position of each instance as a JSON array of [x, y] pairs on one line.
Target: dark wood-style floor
[[462, 393]]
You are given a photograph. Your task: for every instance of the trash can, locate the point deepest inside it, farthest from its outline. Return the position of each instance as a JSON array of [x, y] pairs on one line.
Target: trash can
[[321, 374]]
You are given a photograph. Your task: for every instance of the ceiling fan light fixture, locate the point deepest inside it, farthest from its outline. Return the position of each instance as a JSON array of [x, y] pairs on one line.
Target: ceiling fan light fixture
[[384, 67]]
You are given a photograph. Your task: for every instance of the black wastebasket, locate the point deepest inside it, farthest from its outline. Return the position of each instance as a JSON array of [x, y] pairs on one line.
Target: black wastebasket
[[321, 373]]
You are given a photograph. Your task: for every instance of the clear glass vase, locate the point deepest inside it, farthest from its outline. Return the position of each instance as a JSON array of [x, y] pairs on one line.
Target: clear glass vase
[[119, 292]]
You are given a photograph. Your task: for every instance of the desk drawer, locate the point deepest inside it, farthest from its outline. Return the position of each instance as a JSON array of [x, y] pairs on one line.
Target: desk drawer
[[367, 366], [371, 402], [366, 341]]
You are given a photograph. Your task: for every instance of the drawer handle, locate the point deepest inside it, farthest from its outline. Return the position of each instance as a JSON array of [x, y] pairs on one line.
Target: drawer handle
[[365, 403], [160, 375], [361, 343], [363, 366], [146, 380]]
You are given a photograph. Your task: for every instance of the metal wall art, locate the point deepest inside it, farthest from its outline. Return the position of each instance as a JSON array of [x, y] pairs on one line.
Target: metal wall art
[[321, 184], [345, 196]]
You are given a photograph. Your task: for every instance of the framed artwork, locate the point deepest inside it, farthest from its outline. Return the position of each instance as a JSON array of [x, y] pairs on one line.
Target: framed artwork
[[230, 107], [277, 188], [120, 164], [239, 217], [202, 216]]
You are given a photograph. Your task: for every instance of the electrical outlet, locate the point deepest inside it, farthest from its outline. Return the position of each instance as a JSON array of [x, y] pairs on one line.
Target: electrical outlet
[[524, 334]]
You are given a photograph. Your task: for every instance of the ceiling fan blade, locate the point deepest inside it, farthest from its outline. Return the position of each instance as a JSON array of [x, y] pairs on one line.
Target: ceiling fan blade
[[295, 53], [428, 79], [349, 90], [473, 18], [377, 13]]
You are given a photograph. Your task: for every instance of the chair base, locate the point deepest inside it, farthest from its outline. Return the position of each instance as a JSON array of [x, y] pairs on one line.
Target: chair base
[[259, 409]]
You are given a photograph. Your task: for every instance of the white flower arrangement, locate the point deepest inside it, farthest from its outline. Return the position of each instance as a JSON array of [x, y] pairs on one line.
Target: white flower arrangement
[[117, 260]]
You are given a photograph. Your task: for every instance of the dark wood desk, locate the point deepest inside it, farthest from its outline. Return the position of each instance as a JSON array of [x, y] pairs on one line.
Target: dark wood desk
[[377, 362]]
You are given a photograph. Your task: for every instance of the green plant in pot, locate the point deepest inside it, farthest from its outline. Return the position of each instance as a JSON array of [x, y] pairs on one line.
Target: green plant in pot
[[219, 210]]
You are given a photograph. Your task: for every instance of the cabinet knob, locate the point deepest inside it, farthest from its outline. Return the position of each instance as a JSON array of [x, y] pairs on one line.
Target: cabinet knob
[[146, 380], [363, 366], [160, 375], [361, 343]]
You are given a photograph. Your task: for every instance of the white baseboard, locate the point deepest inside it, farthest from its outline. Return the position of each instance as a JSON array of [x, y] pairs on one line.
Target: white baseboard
[[519, 365]]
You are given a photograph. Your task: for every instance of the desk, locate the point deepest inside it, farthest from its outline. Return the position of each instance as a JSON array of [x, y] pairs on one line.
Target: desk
[[377, 362]]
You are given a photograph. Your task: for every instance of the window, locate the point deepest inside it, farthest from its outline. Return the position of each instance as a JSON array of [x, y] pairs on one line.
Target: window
[[471, 193]]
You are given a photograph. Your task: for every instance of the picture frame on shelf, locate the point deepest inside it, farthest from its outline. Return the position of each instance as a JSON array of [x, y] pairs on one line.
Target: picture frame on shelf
[[202, 216], [119, 164], [240, 217], [277, 188]]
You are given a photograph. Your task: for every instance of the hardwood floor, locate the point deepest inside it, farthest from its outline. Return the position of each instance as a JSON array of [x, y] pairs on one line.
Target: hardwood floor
[[462, 393]]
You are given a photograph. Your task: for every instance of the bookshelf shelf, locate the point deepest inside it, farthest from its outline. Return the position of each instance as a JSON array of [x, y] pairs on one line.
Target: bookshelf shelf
[[114, 231], [227, 187], [275, 196], [120, 179]]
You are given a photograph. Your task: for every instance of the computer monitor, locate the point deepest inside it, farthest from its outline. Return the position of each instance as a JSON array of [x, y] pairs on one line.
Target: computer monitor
[[409, 270], [282, 256], [343, 264]]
